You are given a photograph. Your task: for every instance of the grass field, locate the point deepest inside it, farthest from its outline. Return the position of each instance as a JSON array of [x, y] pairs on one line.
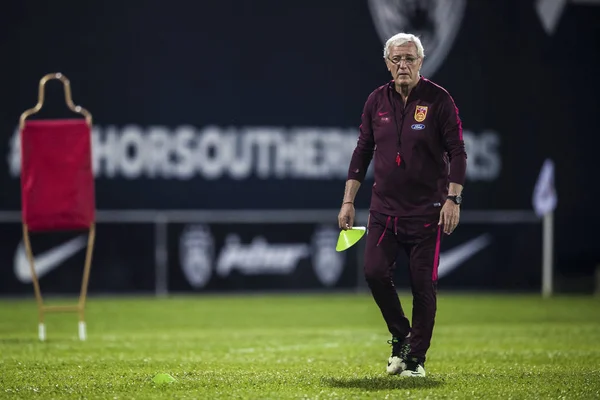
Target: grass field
[[300, 346]]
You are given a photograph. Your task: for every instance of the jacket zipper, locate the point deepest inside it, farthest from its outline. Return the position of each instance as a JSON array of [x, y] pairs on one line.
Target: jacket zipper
[[399, 132]]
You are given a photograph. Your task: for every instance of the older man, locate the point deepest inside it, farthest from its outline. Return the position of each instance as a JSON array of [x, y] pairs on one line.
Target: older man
[[412, 129]]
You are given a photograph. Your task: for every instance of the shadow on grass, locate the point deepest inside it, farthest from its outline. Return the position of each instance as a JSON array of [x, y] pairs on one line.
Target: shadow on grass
[[382, 383]]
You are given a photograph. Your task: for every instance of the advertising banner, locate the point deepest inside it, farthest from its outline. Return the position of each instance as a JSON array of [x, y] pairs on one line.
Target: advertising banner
[[220, 257], [123, 260], [226, 257]]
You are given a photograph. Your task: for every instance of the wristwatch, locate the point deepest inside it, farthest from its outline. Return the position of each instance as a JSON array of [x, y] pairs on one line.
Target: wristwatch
[[456, 199]]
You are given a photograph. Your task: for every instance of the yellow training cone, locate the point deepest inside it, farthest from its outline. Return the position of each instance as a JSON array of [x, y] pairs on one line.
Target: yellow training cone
[[349, 237]]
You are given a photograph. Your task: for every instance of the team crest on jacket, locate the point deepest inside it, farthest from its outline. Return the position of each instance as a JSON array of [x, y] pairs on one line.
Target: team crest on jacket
[[420, 113]]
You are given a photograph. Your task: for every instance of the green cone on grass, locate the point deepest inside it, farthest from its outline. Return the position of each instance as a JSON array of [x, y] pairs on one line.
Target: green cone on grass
[[163, 378]]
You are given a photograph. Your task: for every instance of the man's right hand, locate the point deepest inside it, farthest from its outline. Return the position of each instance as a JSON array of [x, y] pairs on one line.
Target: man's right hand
[[346, 216]]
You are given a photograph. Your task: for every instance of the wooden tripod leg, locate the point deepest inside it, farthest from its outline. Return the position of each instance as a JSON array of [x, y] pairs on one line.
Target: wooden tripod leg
[[36, 284], [85, 280]]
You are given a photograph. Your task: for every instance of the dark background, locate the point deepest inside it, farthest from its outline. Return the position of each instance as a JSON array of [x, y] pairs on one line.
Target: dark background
[[312, 64]]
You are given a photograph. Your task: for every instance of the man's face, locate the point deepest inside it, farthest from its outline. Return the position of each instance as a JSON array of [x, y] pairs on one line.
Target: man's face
[[404, 64]]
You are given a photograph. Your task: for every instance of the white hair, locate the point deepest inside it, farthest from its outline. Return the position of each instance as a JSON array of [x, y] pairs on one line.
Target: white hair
[[401, 38]]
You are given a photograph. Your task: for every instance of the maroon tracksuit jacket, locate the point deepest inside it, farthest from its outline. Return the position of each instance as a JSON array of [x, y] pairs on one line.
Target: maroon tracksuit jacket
[[411, 147]]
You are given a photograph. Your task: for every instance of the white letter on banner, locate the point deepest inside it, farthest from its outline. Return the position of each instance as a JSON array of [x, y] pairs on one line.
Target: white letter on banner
[[210, 153], [265, 138], [287, 152], [131, 152], [241, 157], [184, 165], [105, 153], [157, 152]]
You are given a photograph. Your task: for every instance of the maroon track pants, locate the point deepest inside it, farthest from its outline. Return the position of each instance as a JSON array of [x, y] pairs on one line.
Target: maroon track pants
[[420, 238]]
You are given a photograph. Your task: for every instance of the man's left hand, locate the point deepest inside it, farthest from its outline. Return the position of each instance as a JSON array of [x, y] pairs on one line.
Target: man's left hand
[[449, 216]]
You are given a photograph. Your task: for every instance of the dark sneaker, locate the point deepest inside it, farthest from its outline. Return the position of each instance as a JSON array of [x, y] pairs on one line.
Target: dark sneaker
[[414, 367], [400, 349]]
